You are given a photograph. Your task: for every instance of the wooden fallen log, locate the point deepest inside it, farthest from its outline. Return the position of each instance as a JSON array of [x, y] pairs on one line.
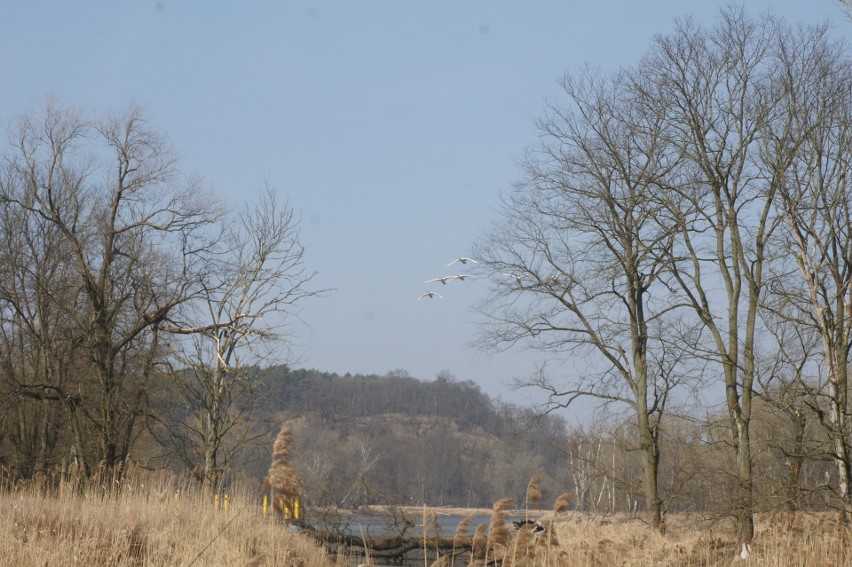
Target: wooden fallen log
[[394, 547]]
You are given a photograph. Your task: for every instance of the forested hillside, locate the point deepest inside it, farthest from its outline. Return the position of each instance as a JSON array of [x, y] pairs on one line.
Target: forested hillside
[[395, 439]]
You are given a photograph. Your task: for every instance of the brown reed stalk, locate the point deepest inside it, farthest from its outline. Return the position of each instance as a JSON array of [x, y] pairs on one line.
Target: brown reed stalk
[[534, 489], [561, 505], [430, 522], [463, 527], [282, 480], [461, 532], [425, 529], [479, 542], [498, 533]]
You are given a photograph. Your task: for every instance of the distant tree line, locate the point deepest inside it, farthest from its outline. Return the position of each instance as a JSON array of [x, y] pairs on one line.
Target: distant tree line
[[336, 398]]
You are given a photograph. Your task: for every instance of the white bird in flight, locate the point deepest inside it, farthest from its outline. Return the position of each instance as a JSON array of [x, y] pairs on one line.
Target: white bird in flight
[[443, 280], [430, 295], [462, 277], [463, 261], [518, 277]]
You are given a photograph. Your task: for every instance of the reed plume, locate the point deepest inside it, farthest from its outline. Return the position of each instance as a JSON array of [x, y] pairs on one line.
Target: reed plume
[[479, 542], [534, 489], [561, 504], [464, 526], [498, 533], [533, 495], [282, 480], [460, 535]]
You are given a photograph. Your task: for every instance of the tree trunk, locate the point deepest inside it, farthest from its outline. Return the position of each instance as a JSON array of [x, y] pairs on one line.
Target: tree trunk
[[77, 435], [794, 463], [650, 462], [841, 453], [745, 498]]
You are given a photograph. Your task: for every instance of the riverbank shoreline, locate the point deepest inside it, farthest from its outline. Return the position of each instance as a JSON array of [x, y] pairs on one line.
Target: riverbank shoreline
[[416, 511]]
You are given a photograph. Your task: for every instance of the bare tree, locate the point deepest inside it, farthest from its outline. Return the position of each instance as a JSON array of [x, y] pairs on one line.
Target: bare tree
[[131, 228], [249, 296], [36, 340], [715, 90], [816, 202], [787, 392], [575, 260]]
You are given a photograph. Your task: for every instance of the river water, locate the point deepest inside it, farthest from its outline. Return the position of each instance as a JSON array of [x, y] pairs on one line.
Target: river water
[[388, 525]]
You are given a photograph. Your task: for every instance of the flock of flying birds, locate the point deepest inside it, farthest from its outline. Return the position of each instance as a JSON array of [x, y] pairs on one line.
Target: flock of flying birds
[[445, 279]]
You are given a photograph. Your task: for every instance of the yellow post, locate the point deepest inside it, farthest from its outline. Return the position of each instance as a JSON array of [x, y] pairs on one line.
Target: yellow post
[[265, 502], [227, 500], [216, 502], [296, 508]]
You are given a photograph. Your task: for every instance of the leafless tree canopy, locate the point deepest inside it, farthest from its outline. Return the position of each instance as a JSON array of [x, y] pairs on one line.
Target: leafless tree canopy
[[117, 267], [652, 233]]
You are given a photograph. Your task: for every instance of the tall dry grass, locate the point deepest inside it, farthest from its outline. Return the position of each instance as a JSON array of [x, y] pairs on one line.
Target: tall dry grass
[[143, 519], [572, 539], [806, 540]]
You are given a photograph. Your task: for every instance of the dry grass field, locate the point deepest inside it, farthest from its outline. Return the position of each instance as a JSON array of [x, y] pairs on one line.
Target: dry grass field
[[801, 540], [155, 520], [152, 520], [782, 540]]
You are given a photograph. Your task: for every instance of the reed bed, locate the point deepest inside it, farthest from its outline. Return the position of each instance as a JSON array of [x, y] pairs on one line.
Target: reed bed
[[562, 538], [799, 540], [147, 519], [143, 520], [782, 540]]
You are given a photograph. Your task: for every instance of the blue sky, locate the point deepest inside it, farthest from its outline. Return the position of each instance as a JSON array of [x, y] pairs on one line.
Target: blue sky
[[391, 126]]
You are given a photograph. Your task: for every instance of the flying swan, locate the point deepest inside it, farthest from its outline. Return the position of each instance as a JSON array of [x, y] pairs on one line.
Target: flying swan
[[463, 261], [443, 280], [429, 294]]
